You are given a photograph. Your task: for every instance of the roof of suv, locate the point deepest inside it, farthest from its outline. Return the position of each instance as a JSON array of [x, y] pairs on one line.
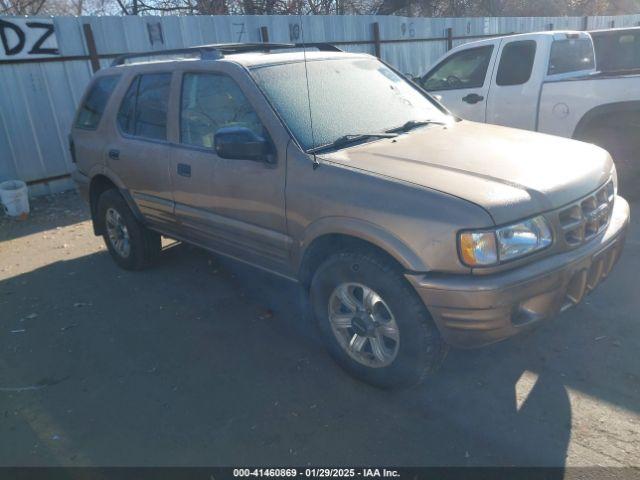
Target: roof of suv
[[253, 59], [246, 59]]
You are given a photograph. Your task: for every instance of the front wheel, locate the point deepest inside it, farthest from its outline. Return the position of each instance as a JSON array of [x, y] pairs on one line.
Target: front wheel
[[373, 322]]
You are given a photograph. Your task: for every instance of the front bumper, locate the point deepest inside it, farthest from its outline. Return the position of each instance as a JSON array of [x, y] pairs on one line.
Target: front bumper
[[473, 311]]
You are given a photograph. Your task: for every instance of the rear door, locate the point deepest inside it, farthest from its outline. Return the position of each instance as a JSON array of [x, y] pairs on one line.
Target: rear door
[[462, 80], [139, 151], [517, 79]]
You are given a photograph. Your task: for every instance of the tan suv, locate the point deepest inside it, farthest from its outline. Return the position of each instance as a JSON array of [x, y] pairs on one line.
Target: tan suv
[[409, 228]]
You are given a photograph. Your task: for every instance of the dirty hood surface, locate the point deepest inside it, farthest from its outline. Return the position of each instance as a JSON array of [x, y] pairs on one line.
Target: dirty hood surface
[[511, 173]]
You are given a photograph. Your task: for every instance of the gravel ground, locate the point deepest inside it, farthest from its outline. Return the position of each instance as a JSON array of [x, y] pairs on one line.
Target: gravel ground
[[201, 361]]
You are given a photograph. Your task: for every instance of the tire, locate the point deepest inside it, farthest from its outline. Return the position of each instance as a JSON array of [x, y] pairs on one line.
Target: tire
[[143, 244], [419, 350]]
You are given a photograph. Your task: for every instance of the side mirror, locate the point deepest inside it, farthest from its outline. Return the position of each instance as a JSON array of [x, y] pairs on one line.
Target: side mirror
[[421, 81], [240, 143]]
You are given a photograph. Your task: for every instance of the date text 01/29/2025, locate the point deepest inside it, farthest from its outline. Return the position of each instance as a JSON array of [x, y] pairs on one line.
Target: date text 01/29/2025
[[316, 472]]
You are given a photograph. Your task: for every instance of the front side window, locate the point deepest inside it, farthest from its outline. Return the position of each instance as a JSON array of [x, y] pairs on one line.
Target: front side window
[[516, 63], [342, 97], [465, 69], [211, 102], [96, 101], [143, 111], [570, 55]]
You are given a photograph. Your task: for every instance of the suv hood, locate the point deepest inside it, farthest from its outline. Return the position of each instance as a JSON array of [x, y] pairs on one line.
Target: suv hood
[[511, 173]]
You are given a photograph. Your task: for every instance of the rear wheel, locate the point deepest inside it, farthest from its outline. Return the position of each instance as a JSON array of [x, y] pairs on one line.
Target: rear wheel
[[131, 244], [618, 135], [373, 322]]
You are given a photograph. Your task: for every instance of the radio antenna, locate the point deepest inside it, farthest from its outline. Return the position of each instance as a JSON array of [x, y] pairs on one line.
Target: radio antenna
[[316, 163]]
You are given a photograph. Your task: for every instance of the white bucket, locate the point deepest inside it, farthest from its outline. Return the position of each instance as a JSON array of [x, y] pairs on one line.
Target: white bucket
[[14, 197]]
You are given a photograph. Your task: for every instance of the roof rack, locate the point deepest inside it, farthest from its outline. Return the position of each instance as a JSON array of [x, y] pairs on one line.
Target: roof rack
[[218, 50]]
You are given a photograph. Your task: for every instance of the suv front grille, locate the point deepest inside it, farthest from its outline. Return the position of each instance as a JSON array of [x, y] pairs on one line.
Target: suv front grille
[[587, 217]]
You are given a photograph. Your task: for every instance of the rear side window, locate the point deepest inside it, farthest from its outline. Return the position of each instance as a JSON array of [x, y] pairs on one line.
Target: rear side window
[[465, 69], [570, 55], [516, 63], [96, 101], [143, 111]]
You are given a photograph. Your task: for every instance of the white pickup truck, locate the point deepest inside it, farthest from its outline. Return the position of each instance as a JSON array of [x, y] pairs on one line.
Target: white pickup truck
[[572, 84]]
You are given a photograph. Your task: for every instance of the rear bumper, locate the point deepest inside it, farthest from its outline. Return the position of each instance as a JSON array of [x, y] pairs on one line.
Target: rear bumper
[[473, 311]]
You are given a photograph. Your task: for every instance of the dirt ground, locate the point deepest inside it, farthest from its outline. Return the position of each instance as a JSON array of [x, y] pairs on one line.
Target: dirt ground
[[202, 361]]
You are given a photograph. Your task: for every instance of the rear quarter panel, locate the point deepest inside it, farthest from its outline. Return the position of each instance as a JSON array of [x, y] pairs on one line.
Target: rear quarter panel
[[564, 103]]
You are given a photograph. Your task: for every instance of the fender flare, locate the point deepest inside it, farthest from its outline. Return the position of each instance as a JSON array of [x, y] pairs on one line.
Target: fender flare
[[101, 170], [601, 110], [360, 230]]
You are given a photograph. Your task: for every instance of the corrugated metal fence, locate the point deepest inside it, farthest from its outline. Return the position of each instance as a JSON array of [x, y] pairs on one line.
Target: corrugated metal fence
[[38, 97]]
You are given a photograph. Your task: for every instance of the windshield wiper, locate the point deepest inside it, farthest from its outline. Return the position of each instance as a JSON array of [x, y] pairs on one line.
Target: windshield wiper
[[345, 140], [411, 124]]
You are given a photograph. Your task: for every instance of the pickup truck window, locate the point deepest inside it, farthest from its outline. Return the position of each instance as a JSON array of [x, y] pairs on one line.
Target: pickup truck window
[[143, 111], [345, 97], [570, 55], [617, 50], [210, 102], [516, 63], [465, 69], [91, 111]]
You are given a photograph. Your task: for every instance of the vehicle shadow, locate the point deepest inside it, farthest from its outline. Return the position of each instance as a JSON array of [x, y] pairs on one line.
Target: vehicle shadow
[[497, 406], [204, 361]]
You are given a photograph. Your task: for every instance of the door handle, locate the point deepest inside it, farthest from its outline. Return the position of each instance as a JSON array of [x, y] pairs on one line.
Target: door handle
[[473, 98], [184, 170], [114, 154]]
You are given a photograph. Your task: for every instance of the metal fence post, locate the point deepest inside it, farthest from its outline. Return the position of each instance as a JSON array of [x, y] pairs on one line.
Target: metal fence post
[[376, 38], [585, 23], [91, 46], [264, 34], [449, 33]]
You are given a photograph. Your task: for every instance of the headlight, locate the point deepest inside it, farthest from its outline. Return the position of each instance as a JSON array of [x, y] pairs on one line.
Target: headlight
[[490, 247]]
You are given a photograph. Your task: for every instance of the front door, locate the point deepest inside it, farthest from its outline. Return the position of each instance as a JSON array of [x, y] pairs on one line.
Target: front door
[[234, 206], [515, 88], [461, 81]]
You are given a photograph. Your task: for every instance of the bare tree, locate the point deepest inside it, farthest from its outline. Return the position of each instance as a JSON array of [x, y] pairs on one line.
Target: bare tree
[[426, 8], [21, 7], [56, 7]]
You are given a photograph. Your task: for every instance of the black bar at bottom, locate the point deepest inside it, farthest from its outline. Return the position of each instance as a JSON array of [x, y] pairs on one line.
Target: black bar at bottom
[[222, 473]]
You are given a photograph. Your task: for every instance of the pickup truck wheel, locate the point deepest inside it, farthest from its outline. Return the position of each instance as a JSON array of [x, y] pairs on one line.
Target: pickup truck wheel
[[372, 321], [621, 141], [132, 246]]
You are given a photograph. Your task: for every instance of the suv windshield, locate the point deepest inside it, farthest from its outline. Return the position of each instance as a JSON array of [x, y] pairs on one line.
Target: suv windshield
[[347, 97]]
